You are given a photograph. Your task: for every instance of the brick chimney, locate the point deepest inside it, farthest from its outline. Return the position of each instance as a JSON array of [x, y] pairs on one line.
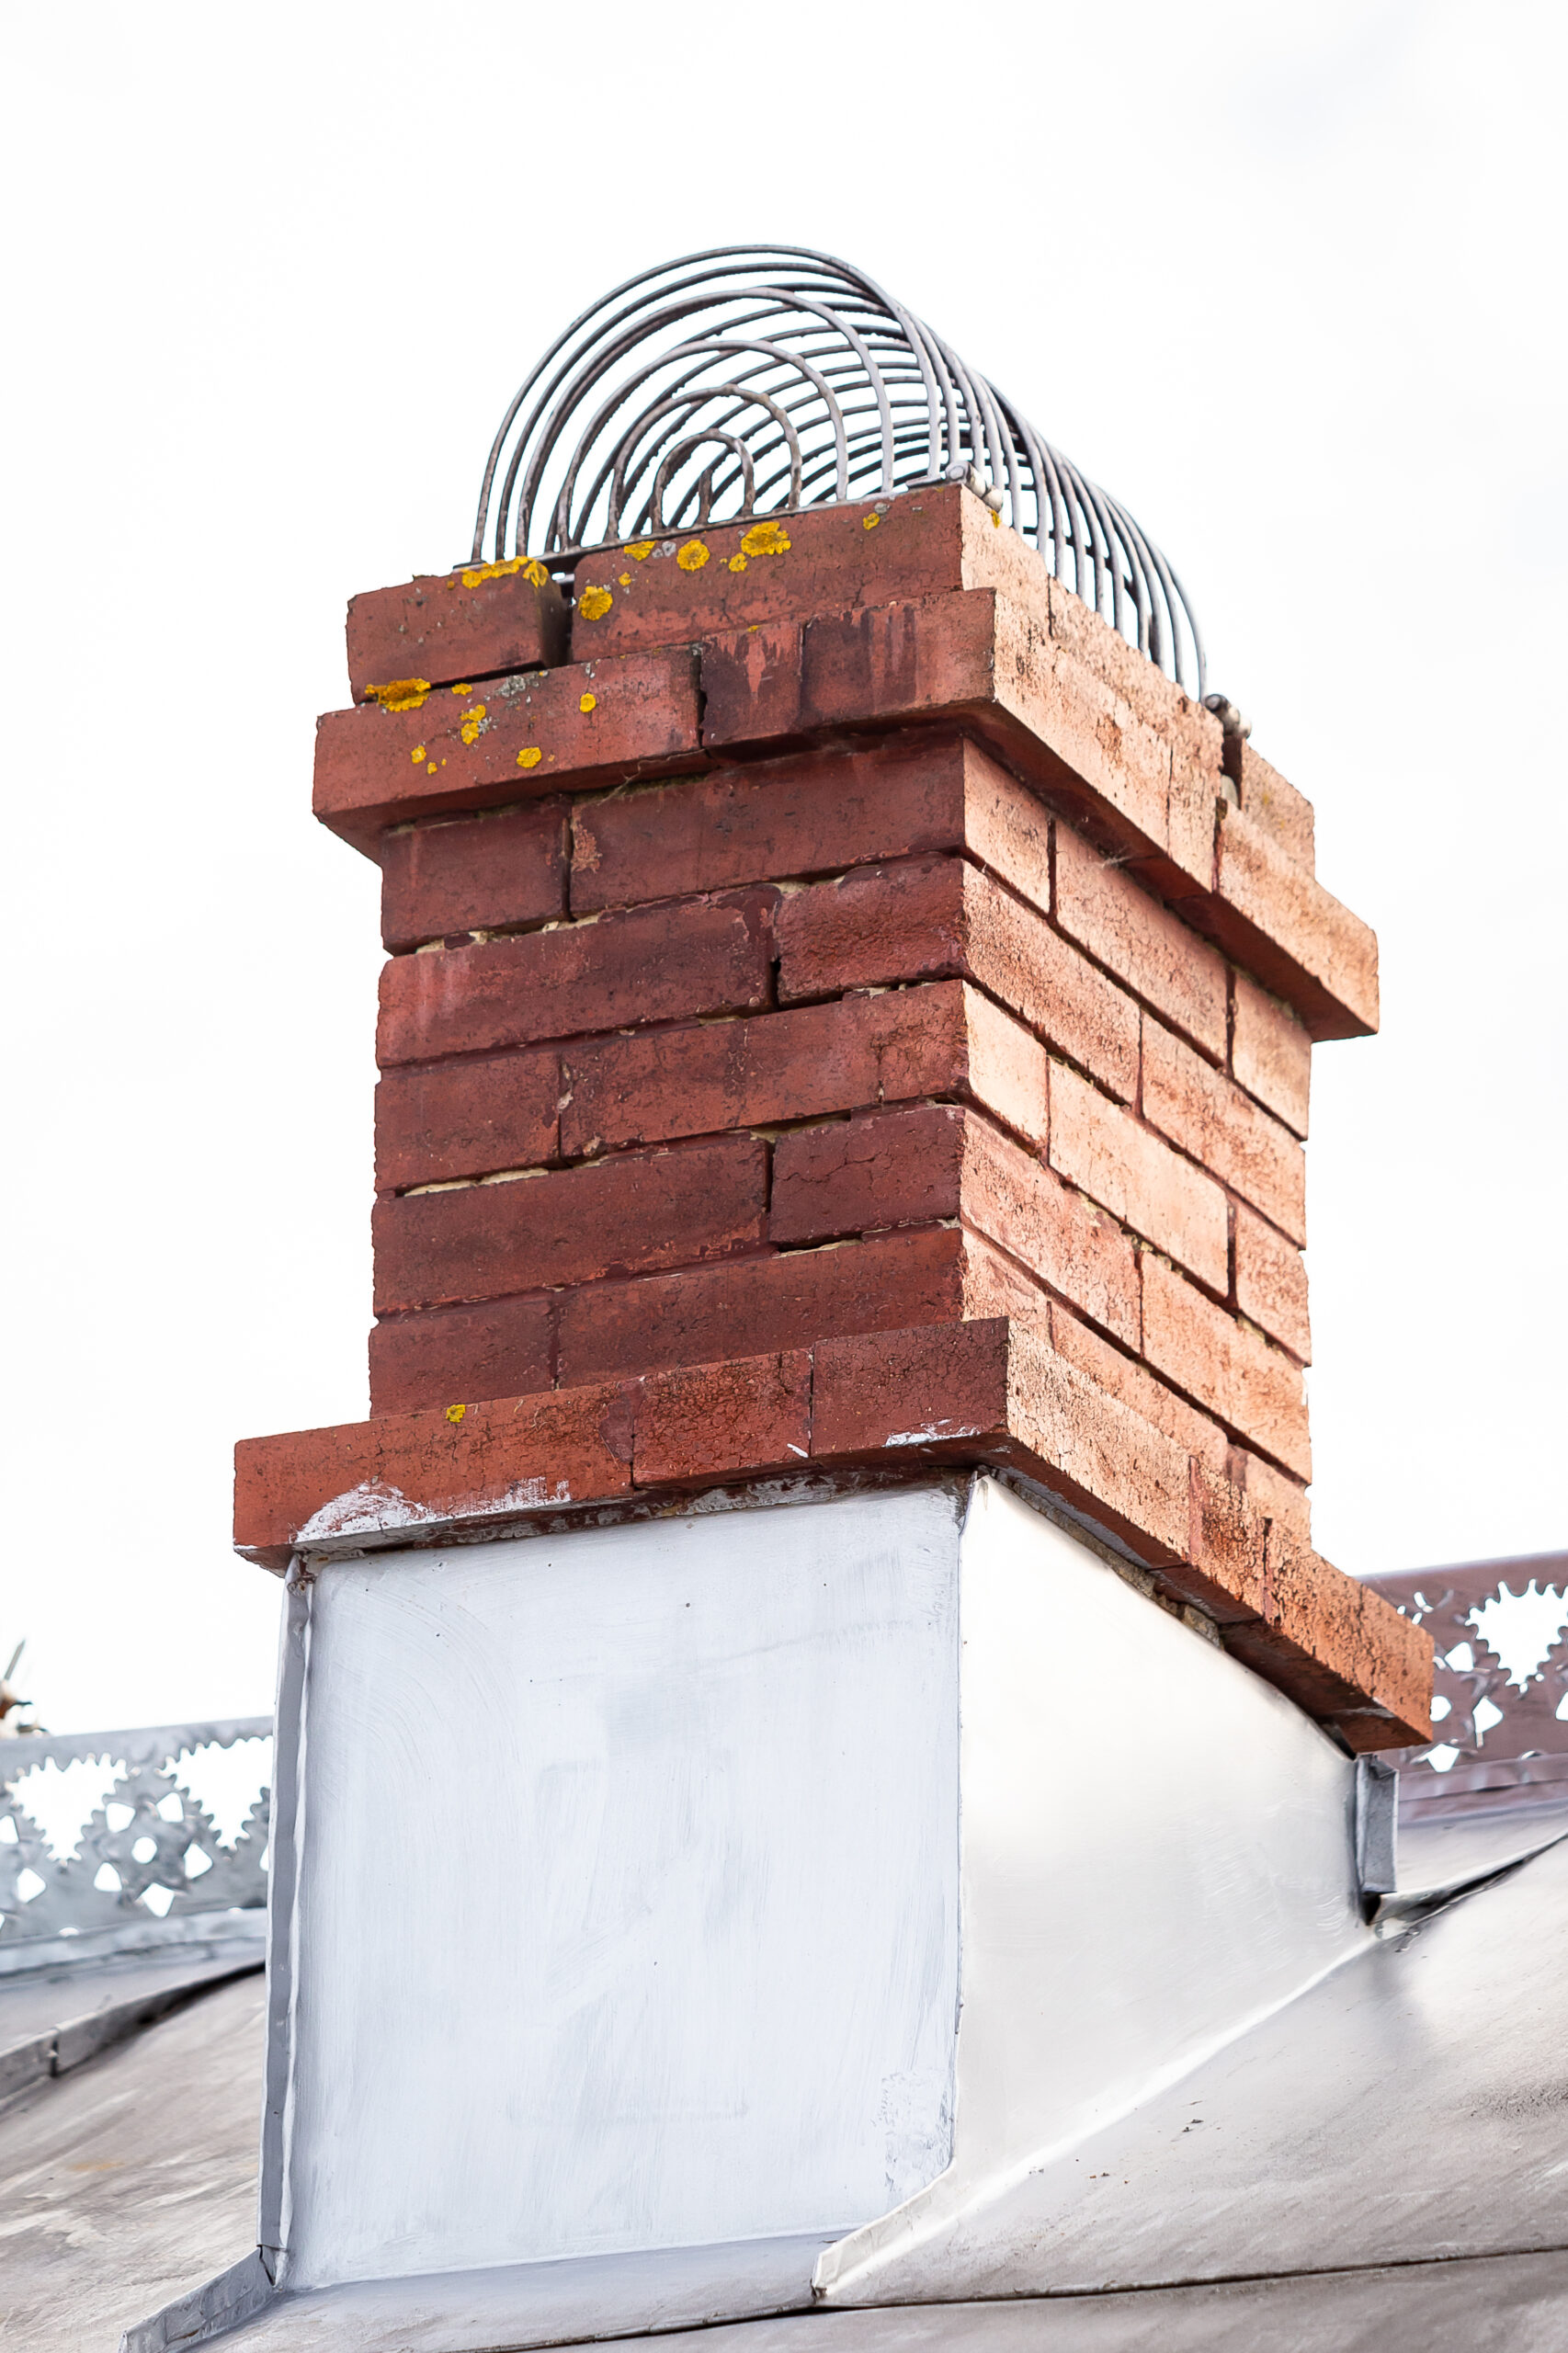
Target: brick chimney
[[812, 1684], [845, 1007]]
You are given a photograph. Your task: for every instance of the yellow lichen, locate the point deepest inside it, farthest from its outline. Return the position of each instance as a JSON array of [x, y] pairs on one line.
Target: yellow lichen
[[595, 603], [529, 757], [587, 702], [869, 522], [692, 557], [738, 563], [431, 770], [456, 1413], [463, 690], [626, 580], [530, 568], [641, 548], [473, 724], [766, 538], [996, 520], [399, 694], [417, 754]]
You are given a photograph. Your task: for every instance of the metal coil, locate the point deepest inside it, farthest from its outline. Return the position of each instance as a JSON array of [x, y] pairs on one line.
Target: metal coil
[[754, 381]]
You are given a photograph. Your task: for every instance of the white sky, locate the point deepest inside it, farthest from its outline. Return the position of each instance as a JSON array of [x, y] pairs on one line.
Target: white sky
[[1288, 281]]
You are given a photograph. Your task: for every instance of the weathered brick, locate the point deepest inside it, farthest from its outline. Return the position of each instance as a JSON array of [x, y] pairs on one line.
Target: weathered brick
[[1271, 1053], [1210, 1117], [859, 1176], [1271, 1284], [1225, 1553], [1229, 1369], [455, 625], [650, 965], [1290, 934], [601, 721], [624, 1215], [656, 590], [812, 813], [487, 873], [466, 1119], [1273, 1493], [783, 1300], [1105, 910], [904, 1167], [752, 1414], [442, 1356], [929, 917], [1103, 1150], [1276, 806], [468, 1463], [1124, 1377], [846, 1056], [1358, 1662]]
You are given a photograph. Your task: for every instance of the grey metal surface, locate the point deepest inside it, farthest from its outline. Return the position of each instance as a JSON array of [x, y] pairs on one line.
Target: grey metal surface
[[1412, 2105], [144, 1860], [54, 2019], [753, 381], [132, 2177]]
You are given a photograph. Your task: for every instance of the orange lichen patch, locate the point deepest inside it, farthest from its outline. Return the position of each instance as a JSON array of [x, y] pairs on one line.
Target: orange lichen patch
[[587, 702], [530, 568], [626, 579], [463, 690], [766, 538], [595, 603], [456, 1413], [738, 563], [641, 548], [869, 522], [399, 694], [529, 757], [417, 754], [692, 556], [473, 724], [431, 770]]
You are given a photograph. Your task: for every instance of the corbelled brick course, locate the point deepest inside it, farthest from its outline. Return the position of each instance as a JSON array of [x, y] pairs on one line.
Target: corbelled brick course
[[848, 1009]]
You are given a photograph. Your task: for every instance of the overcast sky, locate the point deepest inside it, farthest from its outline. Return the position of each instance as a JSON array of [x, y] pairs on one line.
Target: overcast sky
[[1287, 281]]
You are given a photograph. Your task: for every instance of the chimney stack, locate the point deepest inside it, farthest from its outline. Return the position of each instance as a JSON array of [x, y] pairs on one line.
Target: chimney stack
[[844, 1051]]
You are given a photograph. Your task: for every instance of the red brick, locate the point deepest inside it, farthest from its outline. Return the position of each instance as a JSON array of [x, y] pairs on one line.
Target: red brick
[[456, 625], [784, 1299], [488, 873], [812, 813], [1103, 1150], [1212, 1121], [1052, 1229], [636, 1212], [1271, 1053], [1270, 915], [501, 1347], [1277, 807], [856, 1175], [937, 1387], [1231, 1371], [1224, 1572], [466, 1119], [651, 964], [752, 1414], [1357, 1662], [479, 1464], [933, 917], [1273, 1493], [851, 1055], [1123, 1377], [1160, 960], [475, 750], [827, 560], [1271, 1284]]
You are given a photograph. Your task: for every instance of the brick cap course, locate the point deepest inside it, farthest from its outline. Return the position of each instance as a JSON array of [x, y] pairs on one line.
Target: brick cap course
[[842, 1408]]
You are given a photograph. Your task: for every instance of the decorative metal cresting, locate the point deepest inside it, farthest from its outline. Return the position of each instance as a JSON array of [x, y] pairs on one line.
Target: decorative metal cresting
[[1500, 1690], [753, 381], [140, 1846]]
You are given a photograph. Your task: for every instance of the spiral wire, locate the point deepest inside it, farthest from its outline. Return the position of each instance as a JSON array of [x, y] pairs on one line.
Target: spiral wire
[[754, 381]]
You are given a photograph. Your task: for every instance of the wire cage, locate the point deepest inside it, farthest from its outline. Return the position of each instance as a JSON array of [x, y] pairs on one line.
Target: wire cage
[[754, 381]]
